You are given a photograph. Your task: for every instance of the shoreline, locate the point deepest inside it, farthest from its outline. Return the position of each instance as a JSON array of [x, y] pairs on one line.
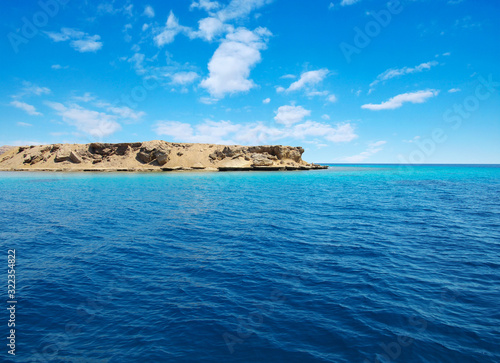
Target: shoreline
[[166, 170], [154, 156]]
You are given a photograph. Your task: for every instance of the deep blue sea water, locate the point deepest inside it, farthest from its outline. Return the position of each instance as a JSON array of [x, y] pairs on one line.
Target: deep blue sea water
[[351, 264]]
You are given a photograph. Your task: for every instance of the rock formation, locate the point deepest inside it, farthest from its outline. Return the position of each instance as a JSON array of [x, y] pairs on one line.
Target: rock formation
[[153, 156]]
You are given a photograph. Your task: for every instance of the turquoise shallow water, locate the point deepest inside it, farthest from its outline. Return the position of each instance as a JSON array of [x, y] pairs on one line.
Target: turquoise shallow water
[[352, 264]]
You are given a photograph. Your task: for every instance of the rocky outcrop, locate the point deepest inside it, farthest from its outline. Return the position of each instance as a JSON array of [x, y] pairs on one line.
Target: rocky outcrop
[[151, 151], [154, 155]]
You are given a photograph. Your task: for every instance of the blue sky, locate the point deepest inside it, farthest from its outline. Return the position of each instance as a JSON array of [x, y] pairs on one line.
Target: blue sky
[[360, 81]]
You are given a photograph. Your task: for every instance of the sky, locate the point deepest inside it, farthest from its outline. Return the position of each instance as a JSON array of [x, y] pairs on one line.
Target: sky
[[351, 81]]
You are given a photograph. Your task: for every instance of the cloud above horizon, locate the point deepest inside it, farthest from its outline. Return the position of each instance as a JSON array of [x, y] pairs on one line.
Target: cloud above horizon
[[228, 133], [230, 66], [29, 109], [399, 100], [372, 149]]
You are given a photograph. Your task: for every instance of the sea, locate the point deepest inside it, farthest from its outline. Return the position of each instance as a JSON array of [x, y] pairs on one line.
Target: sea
[[357, 263]]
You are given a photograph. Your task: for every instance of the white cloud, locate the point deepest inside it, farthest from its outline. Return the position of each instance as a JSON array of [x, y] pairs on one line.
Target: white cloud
[[340, 133], [111, 9], [289, 76], [96, 124], [266, 101], [348, 2], [240, 8], [206, 5], [230, 66], [372, 149], [280, 89], [24, 124], [331, 6], [454, 90], [317, 93], [208, 100], [122, 111], [167, 34], [149, 11], [29, 109], [308, 79], [209, 28], [183, 78], [58, 66], [325, 117], [206, 132], [30, 89], [399, 100], [411, 141], [80, 41], [395, 72], [289, 115], [225, 132], [88, 44], [87, 97], [332, 98]]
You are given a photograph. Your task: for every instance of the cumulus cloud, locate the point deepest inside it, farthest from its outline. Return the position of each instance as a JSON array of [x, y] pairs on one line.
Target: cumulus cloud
[[372, 149], [209, 28], [266, 101], [309, 79], [399, 100], [230, 66], [80, 41], [395, 72], [29, 109], [454, 90], [289, 115]]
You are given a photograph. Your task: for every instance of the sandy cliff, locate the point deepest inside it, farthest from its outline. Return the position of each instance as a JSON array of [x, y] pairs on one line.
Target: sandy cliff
[[153, 156]]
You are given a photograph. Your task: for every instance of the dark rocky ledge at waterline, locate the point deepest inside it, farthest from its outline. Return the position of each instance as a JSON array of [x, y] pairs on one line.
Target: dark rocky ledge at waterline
[[154, 155]]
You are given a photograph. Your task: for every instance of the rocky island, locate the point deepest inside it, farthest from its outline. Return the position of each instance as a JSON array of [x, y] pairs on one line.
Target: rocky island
[[154, 155]]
